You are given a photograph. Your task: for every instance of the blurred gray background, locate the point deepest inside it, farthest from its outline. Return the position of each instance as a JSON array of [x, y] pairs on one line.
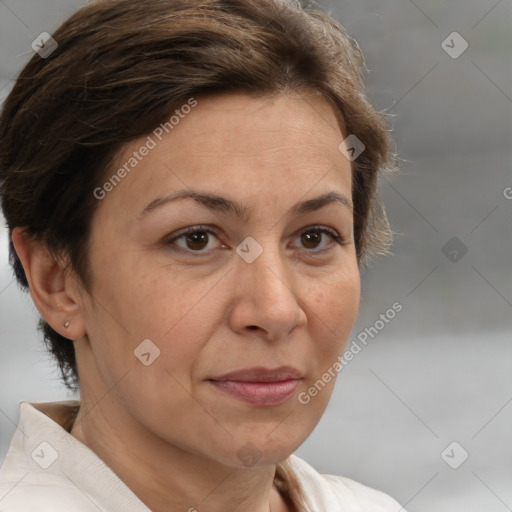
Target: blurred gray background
[[440, 371]]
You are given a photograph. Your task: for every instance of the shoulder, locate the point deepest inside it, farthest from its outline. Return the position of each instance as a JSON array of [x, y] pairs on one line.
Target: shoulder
[[48, 470], [27, 493], [29, 478], [332, 493]]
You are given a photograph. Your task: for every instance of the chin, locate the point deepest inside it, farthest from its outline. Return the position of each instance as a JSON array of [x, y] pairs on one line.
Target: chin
[[267, 448]]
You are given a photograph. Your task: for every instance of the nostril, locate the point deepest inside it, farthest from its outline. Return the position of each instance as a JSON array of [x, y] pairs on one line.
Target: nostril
[[252, 327]]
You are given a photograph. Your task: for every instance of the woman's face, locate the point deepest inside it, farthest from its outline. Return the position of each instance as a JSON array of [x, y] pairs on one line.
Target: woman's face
[[265, 283]]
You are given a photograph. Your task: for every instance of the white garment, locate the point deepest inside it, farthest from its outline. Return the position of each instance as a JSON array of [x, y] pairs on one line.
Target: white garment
[[48, 470]]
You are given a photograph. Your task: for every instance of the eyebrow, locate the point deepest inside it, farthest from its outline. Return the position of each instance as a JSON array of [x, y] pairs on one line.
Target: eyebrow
[[224, 205]]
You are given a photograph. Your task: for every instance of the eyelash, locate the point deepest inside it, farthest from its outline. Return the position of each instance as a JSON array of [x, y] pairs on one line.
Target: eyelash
[[334, 235]]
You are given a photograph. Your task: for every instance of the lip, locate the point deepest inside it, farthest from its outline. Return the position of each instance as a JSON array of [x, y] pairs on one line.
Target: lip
[[260, 386]]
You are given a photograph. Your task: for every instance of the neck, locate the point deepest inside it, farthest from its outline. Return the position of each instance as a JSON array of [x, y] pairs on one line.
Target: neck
[[165, 477]]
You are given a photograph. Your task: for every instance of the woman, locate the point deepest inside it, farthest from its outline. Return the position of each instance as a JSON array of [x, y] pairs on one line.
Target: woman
[[189, 188]]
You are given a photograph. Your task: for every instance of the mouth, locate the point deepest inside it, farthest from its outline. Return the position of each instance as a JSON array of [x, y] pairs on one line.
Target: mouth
[[260, 386]]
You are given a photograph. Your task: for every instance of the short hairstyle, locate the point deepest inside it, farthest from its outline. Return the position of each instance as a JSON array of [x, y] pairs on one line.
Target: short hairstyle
[[122, 67]]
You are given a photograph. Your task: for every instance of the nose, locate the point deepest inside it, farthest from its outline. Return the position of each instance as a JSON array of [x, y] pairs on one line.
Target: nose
[[266, 298]]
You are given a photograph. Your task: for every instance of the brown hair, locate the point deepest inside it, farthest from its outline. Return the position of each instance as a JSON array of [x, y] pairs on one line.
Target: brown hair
[[122, 67]]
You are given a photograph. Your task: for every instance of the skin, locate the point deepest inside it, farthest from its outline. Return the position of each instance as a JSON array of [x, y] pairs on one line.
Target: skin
[[167, 432]]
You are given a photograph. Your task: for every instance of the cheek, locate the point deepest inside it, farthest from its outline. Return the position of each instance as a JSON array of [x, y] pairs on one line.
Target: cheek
[[335, 299], [333, 306], [133, 299], [170, 312]]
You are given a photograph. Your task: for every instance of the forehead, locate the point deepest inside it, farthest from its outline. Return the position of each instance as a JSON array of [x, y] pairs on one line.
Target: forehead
[[229, 141]]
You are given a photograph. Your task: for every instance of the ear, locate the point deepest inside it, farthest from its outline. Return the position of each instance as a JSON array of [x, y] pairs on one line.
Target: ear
[[55, 292]]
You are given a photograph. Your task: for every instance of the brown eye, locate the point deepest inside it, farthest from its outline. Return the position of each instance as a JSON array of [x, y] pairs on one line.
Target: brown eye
[[197, 240], [311, 239], [318, 239]]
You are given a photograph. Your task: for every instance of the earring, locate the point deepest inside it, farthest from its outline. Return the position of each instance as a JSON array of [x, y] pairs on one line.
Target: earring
[[66, 324]]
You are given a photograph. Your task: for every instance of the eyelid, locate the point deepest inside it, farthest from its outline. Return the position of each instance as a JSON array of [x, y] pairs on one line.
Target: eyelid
[[185, 231]]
